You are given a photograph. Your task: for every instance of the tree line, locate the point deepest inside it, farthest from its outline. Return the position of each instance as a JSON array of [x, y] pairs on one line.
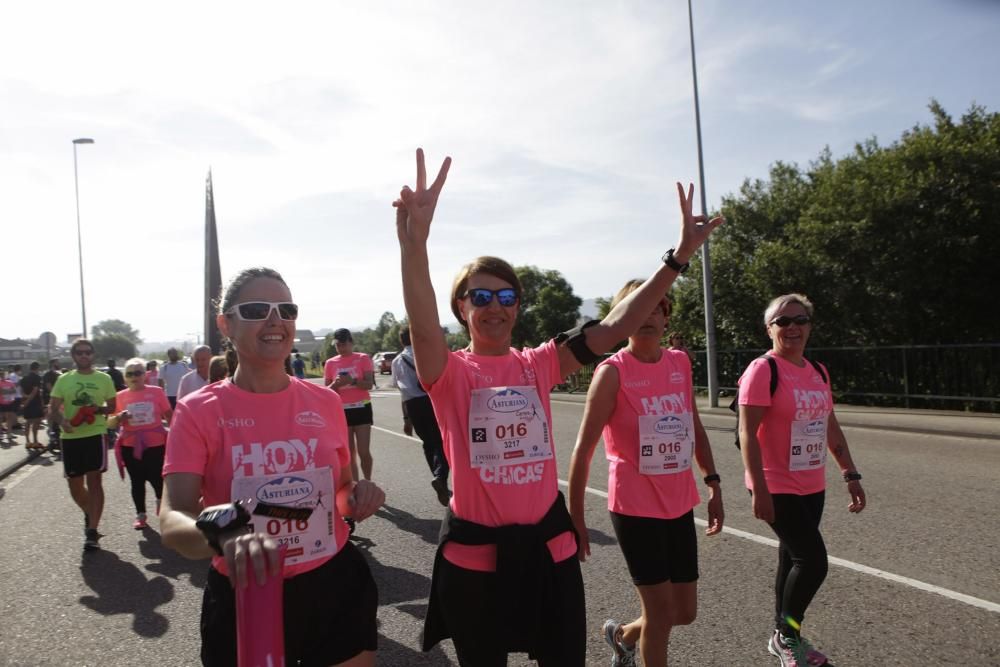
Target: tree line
[[896, 245]]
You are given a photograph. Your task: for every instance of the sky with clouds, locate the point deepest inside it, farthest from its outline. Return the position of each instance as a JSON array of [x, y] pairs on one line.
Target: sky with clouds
[[568, 123]]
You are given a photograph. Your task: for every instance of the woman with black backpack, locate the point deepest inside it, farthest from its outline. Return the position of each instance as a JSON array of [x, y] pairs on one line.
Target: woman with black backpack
[[786, 426]]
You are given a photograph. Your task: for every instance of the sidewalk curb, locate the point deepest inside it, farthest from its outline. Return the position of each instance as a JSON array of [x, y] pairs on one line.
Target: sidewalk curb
[[31, 456]]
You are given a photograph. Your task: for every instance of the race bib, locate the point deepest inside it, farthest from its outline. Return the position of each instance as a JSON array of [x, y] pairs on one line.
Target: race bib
[[306, 539], [666, 443], [507, 425], [808, 444], [141, 413]]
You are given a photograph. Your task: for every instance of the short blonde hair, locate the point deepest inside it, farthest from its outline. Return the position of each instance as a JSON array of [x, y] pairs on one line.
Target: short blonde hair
[[135, 361], [780, 302]]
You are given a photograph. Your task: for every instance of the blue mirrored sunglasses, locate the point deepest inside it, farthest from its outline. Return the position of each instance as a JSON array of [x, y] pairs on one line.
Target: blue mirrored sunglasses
[[482, 297]]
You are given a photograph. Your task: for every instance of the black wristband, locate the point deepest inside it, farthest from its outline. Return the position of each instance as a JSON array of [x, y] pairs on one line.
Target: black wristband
[[852, 476], [714, 477], [669, 260]]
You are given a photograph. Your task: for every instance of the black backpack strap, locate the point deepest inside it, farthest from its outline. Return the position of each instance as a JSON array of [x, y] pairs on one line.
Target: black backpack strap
[[774, 372], [819, 369]]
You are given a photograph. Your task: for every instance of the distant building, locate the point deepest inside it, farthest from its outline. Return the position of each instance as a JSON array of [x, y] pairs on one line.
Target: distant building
[[18, 350]]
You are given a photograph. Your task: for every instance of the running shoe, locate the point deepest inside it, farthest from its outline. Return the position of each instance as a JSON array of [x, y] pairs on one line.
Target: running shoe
[[791, 651], [90, 542], [623, 656], [440, 485], [140, 521]]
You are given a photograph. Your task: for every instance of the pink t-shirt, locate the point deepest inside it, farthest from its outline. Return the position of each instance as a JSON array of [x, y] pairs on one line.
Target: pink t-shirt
[[146, 408], [8, 392], [505, 494], [801, 399], [222, 432], [662, 388], [153, 378], [355, 365]]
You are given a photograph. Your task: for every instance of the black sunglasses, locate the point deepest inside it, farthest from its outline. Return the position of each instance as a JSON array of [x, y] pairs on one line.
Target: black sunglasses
[[134, 374], [255, 311], [785, 320], [482, 297]]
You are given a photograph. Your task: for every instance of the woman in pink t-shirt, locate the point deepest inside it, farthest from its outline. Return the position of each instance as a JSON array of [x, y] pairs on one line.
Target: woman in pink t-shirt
[[351, 374], [152, 373], [140, 446], [785, 433], [642, 401], [277, 445], [505, 575]]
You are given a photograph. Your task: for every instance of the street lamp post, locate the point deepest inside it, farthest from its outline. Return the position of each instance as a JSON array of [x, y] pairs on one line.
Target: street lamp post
[[79, 238], [706, 263]]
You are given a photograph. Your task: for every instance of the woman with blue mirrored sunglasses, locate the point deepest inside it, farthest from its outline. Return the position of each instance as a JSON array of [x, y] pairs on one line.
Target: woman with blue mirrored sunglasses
[[493, 407]]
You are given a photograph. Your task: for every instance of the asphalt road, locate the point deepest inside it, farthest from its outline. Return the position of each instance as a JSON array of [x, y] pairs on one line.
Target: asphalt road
[[894, 597]]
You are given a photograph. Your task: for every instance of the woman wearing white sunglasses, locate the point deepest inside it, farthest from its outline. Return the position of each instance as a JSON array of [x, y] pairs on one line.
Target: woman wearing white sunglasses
[[264, 434], [506, 577]]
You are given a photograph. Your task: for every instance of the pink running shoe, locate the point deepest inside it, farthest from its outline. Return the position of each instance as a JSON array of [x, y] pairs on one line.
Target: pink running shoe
[[140, 521]]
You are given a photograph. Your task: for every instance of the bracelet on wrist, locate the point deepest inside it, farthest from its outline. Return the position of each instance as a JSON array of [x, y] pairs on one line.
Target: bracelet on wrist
[[852, 476], [714, 477]]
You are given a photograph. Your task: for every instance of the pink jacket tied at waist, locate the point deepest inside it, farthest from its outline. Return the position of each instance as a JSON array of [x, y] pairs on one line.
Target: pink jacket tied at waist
[[139, 440]]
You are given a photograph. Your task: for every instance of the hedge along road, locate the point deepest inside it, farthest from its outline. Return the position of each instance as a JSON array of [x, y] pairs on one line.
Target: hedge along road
[[932, 518]]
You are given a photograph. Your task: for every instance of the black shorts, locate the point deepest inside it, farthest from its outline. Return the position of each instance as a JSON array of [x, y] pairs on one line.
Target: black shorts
[[34, 409], [658, 550], [83, 455], [329, 614], [360, 416], [8, 407]]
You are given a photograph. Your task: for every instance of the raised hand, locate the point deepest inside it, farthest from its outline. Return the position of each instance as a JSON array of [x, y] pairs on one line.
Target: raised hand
[[694, 229], [415, 208]]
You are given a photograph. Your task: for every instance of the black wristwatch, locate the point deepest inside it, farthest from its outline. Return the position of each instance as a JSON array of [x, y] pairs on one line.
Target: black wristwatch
[[852, 476], [714, 477], [220, 521], [669, 260]]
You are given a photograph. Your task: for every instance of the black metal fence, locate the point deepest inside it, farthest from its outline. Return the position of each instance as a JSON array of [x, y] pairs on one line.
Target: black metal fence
[[947, 377]]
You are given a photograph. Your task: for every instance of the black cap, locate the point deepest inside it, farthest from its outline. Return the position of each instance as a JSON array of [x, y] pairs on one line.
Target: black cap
[[343, 336]]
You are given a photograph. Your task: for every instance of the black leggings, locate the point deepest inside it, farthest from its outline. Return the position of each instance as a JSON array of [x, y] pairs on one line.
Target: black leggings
[[147, 469], [802, 562]]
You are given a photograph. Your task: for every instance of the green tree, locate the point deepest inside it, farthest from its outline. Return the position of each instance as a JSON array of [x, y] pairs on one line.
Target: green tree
[[118, 327], [894, 245], [113, 346], [548, 306]]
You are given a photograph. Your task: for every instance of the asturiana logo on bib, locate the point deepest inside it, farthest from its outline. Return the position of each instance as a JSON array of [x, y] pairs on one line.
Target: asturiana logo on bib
[[310, 418], [285, 491], [669, 425], [815, 427], [507, 400]]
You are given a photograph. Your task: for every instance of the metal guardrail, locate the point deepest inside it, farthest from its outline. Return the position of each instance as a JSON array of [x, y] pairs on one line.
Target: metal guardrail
[[950, 377], [954, 377]]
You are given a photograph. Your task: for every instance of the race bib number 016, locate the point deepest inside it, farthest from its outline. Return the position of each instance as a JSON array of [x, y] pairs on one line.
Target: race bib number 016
[[306, 539], [808, 445], [665, 444], [507, 425]]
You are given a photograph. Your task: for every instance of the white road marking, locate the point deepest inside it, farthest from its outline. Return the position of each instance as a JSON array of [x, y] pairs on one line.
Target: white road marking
[[850, 565]]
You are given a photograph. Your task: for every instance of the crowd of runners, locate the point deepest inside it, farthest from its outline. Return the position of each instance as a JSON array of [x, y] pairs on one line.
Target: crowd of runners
[[269, 474]]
